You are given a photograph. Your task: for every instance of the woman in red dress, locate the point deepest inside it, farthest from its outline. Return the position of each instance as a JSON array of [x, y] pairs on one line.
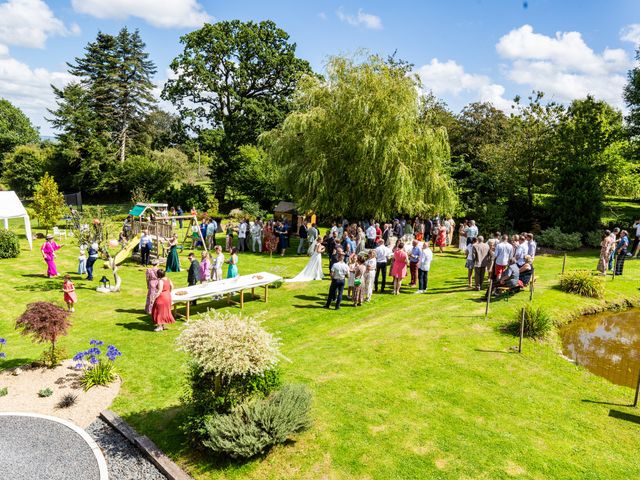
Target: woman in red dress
[[161, 312], [441, 239]]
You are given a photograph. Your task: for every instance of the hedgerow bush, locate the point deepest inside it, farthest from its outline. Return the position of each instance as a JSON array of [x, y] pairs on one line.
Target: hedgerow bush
[[255, 427], [556, 239], [537, 323], [9, 244], [232, 386], [583, 283], [593, 239]]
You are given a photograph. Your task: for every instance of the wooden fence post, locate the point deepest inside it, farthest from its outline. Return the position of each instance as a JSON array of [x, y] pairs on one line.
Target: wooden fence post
[[521, 331], [635, 400], [564, 262], [486, 309]]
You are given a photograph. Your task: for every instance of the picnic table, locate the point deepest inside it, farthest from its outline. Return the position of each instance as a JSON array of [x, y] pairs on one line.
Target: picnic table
[[228, 286]]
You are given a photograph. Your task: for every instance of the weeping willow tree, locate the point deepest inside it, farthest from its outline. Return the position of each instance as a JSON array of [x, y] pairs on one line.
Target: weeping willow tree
[[354, 144]]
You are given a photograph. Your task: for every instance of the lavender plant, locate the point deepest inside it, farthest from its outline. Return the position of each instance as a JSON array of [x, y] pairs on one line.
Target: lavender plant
[[98, 366]]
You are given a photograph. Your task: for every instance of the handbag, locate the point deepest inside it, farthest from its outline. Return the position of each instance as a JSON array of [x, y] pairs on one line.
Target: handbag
[[357, 282]]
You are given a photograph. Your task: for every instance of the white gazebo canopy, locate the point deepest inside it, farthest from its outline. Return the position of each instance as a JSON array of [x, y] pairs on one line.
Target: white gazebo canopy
[[11, 207]]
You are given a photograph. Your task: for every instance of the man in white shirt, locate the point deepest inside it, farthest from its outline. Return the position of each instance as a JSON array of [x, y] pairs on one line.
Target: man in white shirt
[[339, 271], [382, 256], [312, 234], [471, 231], [519, 250], [212, 226], [426, 255], [502, 255], [371, 236], [242, 236], [532, 246], [256, 237]]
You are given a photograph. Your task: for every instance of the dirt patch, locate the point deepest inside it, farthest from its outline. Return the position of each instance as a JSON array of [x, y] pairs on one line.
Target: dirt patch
[[23, 391], [514, 470]]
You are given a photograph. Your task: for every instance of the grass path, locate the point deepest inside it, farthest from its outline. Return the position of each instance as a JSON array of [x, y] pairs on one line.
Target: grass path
[[414, 386]]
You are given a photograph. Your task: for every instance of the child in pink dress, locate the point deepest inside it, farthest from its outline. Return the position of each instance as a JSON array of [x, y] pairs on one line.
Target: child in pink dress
[[70, 296]]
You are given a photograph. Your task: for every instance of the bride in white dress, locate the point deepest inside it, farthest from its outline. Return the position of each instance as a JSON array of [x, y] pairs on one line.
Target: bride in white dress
[[313, 269]]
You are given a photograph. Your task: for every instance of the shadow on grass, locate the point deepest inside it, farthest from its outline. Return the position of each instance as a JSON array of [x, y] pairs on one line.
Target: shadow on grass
[[624, 416], [15, 362], [319, 305], [492, 351], [311, 298], [585, 400], [148, 327], [40, 287]]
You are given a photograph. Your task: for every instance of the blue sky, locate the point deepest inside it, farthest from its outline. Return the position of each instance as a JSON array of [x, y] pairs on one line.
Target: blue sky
[[464, 50]]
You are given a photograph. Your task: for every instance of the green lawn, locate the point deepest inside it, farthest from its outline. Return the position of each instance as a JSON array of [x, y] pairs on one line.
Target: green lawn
[[406, 387]]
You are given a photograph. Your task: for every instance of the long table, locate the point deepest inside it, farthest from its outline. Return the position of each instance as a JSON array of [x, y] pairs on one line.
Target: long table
[[228, 286]]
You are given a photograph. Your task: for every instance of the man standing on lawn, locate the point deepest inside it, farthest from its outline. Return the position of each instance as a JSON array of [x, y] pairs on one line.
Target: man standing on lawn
[[503, 253], [382, 255], [481, 259], [145, 247], [371, 236], [339, 271]]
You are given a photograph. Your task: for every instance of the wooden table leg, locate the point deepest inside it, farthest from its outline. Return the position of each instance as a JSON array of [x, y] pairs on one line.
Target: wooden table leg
[[253, 292], [188, 308], [266, 293], [241, 299]]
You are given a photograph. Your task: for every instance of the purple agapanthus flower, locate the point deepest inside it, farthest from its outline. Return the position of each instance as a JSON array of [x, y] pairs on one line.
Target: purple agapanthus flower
[[96, 342], [93, 360], [3, 341], [78, 356], [3, 355], [93, 351], [113, 352], [79, 366]]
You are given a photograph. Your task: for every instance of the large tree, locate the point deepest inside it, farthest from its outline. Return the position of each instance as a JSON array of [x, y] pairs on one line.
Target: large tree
[[591, 128], [15, 128], [235, 78], [355, 144], [115, 75], [632, 98]]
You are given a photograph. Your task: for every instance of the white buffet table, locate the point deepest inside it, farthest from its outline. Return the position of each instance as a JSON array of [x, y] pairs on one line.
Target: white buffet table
[[228, 286]]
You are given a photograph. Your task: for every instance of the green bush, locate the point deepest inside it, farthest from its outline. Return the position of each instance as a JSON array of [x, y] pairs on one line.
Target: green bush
[[556, 239], [9, 244], [593, 239], [186, 195], [4, 391], [45, 392], [255, 427], [583, 283], [537, 323]]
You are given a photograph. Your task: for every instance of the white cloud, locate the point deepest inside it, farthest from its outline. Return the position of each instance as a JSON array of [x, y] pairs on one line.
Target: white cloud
[[29, 88], [563, 66], [322, 16], [28, 23], [165, 14], [366, 20], [631, 33], [449, 78]]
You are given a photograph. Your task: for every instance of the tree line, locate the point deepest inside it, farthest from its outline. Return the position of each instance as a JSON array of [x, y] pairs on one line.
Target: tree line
[[255, 124]]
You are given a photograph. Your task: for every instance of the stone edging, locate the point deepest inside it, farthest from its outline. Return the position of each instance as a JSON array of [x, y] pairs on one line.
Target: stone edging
[[163, 463], [102, 463]]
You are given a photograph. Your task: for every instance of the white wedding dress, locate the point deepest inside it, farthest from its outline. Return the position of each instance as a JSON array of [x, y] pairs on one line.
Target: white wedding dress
[[313, 269]]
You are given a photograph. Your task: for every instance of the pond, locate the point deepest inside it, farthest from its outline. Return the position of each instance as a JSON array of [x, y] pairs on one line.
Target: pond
[[607, 344]]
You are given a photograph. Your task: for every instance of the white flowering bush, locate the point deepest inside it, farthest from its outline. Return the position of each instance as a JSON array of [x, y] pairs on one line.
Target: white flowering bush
[[229, 345]]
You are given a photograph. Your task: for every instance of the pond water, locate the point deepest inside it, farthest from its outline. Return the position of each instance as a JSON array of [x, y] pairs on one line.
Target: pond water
[[607, 344]]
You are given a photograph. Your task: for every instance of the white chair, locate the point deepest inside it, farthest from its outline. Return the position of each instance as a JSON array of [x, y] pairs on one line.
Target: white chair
[[59, 233]]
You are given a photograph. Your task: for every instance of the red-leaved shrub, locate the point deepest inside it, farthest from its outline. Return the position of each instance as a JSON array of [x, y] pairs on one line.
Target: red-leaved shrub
[[45, 322]]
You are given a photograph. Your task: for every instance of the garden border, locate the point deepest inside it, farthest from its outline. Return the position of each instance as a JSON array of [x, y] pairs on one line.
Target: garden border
[[163, 463], [97, 452]]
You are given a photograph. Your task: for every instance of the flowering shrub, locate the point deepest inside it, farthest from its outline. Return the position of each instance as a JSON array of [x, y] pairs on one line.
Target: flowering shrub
[[233, 359], [228, 345], [97, 366]]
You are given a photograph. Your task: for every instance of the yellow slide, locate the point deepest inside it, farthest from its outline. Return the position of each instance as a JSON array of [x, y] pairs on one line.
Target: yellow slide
[[124, 253]]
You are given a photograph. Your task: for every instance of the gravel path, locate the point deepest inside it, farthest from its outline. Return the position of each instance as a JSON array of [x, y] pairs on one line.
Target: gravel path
[[35, 448], [124, 460]]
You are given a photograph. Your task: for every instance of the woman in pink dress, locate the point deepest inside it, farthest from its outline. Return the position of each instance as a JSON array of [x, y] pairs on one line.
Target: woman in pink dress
[[161, 312], [441, 239], [152, 286], [399, 269], [49, 254], [205, 268]]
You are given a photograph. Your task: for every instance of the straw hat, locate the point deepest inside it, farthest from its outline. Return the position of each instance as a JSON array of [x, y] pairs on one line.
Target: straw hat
[[49, 236]]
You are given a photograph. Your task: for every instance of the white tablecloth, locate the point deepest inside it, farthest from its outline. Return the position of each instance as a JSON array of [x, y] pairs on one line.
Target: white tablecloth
[[222, 287]]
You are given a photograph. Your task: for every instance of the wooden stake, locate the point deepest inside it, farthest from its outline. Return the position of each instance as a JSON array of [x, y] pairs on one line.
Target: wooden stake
[[564, 261], [635, 400], [486, 310], [521, 331]]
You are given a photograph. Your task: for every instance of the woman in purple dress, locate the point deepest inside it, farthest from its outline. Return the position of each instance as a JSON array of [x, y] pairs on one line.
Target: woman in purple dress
[[49, 254], [152, 285]]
